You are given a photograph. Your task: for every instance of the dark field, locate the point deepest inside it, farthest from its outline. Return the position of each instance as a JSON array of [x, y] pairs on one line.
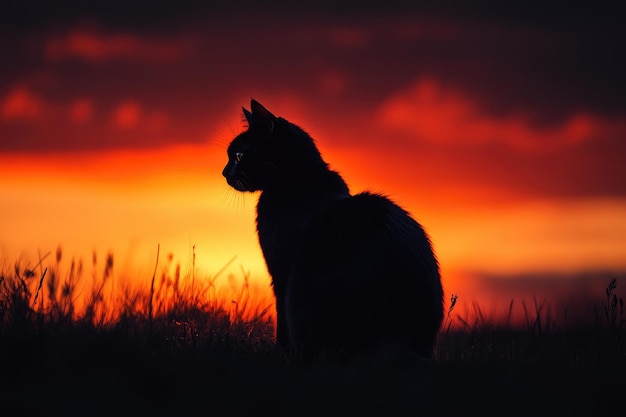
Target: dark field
[[177, 351]]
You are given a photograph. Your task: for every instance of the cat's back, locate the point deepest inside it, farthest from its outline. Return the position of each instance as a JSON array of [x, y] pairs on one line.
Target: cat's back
[[374, 267], [369, 222]]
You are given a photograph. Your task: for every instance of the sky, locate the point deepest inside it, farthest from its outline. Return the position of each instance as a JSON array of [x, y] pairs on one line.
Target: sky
[[501, 129]]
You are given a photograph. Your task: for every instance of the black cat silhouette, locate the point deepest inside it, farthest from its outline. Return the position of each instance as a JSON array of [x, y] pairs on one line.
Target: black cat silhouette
[[351, 273]]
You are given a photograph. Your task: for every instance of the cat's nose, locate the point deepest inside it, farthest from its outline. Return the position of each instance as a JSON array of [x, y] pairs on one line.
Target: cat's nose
[[228, 170]]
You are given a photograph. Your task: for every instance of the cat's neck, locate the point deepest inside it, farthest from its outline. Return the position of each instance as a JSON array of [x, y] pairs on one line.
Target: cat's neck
[[320, 184], [319, 180]]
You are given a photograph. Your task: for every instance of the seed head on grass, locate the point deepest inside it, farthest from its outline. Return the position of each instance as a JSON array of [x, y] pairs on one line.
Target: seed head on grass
[[39, 286], [453, 299], [613, 315]]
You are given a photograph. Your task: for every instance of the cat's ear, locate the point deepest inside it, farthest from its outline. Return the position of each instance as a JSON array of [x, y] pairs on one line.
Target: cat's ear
[[247, 115], [260, 118], [258, 109]]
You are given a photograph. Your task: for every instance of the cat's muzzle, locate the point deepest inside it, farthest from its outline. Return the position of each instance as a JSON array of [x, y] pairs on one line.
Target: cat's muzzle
[[240, 183]]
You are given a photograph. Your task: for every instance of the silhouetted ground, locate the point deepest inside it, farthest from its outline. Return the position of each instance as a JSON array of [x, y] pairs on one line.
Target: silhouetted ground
[[194, 359], [87, 372]]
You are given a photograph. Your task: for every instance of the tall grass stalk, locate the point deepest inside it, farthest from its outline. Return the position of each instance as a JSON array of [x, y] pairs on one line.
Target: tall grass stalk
[[150, 305]]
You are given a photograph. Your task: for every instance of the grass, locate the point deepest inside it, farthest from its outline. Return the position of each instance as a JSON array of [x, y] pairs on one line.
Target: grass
[[76, 344]]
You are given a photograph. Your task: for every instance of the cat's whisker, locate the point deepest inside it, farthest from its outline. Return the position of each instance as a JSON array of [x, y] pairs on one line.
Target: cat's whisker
[[234, 200], [276, 167]]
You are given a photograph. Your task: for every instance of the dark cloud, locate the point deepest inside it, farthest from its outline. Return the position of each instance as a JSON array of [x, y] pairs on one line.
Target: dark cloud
[[93, 75]]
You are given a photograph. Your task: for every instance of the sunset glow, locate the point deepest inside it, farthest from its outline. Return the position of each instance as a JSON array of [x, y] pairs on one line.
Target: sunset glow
[[113, 138], [129, 203]]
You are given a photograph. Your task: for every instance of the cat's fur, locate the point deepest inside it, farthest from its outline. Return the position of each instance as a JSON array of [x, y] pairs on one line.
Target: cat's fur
[[350, 273]]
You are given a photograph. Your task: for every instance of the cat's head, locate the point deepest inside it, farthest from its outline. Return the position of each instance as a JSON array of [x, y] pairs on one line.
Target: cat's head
[[271, 151]]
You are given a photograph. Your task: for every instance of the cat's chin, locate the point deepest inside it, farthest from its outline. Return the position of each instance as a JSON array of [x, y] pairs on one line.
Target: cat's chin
[[240, 184]]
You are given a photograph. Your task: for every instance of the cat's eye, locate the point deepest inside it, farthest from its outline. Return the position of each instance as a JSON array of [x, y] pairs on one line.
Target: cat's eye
[[238, 156]]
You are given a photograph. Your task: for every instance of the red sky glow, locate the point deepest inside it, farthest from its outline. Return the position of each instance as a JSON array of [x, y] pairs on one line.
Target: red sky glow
[[501, 132]]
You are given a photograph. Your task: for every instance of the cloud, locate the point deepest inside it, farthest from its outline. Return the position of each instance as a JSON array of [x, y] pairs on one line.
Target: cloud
[[96, 47], [127, 115], [22, 104], [434, 112], [333, 82], [81, 111], [130, 114]]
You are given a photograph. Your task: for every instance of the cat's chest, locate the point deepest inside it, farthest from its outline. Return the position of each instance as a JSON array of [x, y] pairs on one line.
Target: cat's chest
[[281, 222], [283, 218]]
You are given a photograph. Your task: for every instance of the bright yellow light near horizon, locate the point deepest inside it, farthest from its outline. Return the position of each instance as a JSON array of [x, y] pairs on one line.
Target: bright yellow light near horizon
[[179, 207], [562, 237], [133, 203]]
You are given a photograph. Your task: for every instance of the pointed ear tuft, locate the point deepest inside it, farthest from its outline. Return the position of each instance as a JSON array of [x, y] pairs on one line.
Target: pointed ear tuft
[[247, 115]]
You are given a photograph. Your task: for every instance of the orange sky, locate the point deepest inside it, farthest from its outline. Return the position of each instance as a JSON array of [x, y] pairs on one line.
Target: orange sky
[[501, 134]]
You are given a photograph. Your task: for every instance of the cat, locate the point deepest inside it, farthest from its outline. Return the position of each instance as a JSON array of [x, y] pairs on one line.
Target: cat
[[350, 273]]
